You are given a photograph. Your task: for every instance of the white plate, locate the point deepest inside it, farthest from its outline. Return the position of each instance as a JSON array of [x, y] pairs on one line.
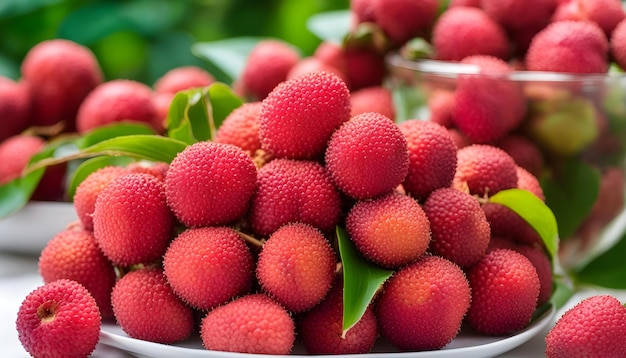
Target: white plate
[[29, 230], [466, 345]]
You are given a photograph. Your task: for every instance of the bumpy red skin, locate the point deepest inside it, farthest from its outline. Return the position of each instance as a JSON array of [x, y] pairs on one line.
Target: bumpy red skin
[[618, 44], [505, 288], [401, 20], [460, 230], [208, 266], [182, 78], [267, 66], [422, 305], [115, 101], [60, 74], [505, 222], [440, 106], [59, 319], [373, 99], [364, 68], [314, 64], [320, 329], [527, 181], [367, 156], [132, 223], [296, 266], [485, 170], [558, 47], [291, 190], [464, 31], [210, 184], [541, 261], [299, 115], [146, 308], [391, 230], [606, 13], [15, 153], [14, 108], [251, 324], [241, 128], [432, 157], [74, 255], [595, 327]]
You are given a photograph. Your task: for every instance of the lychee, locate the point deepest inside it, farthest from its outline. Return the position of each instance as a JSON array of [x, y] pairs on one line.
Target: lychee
[[543, 266], [299, 115], [241, 128], [14, 108], [440, 107], [364, 68], [485, 170], [432, 157], [422, 305], [520, 15], [15, 154], [210, 184], [460, 230], [59, 319], [208, 266], [314, 64], [618, 44], [251, 324], [367, 156], [402, 20], [296, 266], [181, 78], [605, 13], [391, 230], [373, 99], [88, 190], [527, 181], [524, 152], [504, 222]]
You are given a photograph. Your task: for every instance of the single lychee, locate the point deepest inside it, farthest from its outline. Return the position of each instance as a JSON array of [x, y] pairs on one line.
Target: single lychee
[[594, 327], [73, 254], [296, 266], [391, 230], [59, 319], [402, 20], [15, 153], [367, 156], [605, 13], [314, 64], [210, 183], [432, 157], [364, 68], [208, 266], [156, 169], [373, 99], [132, 223], [14, 108], [618, 44], [539, 258], [181, 78], [520, 15], [294, 191], [241, 128], [422, 305], [485, 170], [505, 288], [251, 324], [138, 295], [115, 101], [333, 55], [299, 115], [60, 74], [460, 230]]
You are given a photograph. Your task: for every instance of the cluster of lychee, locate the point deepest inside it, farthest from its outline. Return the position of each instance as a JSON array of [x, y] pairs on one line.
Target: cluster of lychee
[[237, 244]]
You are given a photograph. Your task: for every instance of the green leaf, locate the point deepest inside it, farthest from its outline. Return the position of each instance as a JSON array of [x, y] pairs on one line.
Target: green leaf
[[361, 280], [222, 102], [178, 123], [149, 147], [571, 195], [229, 55], [534, 211], [114, 130], [563, 291], [91, 165], [332, 26], [606, 269]]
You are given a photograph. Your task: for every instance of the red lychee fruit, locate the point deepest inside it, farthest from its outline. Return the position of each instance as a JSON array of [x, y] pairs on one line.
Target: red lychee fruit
[[181, 78], [505, 288], [373, 99], [365, 68], [321, 331], [294, 191], [432, 157], [74, 255], [440, 106], [391, 230], [14, 108], [156, 169], [541, 261], [560, 46], [524, 151], [296, 266], [504, 222], [115, 101], [208, 266], [210, 184], [60, 74], [520, 15], [59, 319], [132, 223], [241, 128], [423, 304], [618, 44], [485, 170], [605, 13], [402, 20], [138, 295], [367, 156], [267, 66], [488, 105], [251, 324], [362, 10], [464, 31], [299, 115], [460, 230], [472, 3], [314, 64], [527, 181], [88, 190], [594, 327], [333, 55], [15, 153]]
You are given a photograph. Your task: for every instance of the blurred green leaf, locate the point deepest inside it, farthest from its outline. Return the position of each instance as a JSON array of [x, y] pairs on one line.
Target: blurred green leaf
[[563, 291], [141, 146], [535, 212], [9, 8], [228, 55], [113, 130], [91, 165], [222, 102], [332, 26], [606, 269], [361, 280]]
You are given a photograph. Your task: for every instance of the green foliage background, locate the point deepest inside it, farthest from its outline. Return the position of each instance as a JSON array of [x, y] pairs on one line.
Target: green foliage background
[[142, 39]]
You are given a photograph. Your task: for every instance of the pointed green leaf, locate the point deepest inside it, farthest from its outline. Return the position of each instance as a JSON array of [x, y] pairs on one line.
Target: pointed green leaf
[[534, 211], [361, 280], [149, 147], [91, 165], [222, 102], [332, 26], [109, 131]]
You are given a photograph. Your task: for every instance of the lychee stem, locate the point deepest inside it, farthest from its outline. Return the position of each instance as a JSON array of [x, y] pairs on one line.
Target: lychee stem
[[251, 240], [47, 311]]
